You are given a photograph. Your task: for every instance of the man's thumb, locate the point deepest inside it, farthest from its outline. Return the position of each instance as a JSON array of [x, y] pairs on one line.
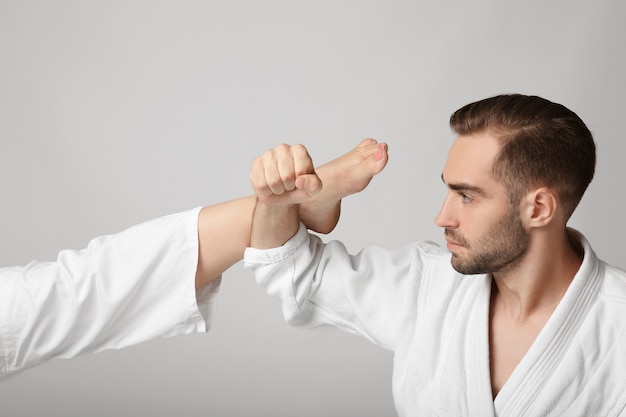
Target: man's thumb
[[309, 183]]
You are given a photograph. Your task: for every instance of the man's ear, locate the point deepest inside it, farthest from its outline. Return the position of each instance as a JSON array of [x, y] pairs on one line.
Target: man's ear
[[540, 207]]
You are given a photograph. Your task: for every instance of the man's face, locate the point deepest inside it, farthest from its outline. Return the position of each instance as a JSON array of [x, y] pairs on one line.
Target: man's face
[[484, 231]]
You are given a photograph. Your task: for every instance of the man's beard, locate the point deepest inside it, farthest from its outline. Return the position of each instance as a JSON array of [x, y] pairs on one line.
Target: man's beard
[[500, 250]]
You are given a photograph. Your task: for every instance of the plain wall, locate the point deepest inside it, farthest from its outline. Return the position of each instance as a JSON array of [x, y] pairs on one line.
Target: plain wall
[[115, 112]]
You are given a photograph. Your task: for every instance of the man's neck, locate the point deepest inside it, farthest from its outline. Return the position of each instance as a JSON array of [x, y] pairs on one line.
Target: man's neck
[[539, 282], [523, 300]]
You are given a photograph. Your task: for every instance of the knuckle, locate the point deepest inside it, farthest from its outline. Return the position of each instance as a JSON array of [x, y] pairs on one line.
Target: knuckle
[[282, 148], [299, 149], [274, 184], [257, 184]]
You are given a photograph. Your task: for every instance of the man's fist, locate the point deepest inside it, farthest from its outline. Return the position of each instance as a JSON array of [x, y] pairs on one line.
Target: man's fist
[[284, 176]]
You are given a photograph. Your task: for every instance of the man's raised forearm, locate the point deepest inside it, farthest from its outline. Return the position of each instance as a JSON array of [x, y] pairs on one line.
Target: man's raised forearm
[[273, 225], [224, 229]]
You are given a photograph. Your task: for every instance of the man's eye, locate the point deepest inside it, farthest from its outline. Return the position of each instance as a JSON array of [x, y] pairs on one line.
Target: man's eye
[[466, 198]]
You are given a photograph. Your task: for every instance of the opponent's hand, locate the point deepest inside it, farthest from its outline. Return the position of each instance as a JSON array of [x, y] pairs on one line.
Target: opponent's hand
[[284, 175]]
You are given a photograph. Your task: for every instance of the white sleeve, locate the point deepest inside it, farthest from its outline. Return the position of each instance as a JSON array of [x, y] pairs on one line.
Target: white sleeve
[[372, 294], [121, 290]]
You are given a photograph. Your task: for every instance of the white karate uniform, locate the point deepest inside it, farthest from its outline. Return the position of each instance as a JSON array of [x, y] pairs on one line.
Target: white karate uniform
[[121, 290], [436, 321]]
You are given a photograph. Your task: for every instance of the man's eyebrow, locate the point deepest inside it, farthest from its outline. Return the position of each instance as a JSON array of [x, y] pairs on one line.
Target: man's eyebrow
[[463, 186]]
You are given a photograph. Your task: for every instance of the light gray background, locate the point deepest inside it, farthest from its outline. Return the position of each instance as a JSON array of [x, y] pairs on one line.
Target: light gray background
[[116, 112]]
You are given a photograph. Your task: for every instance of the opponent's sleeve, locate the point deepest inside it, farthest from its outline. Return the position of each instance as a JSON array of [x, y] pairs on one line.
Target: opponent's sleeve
[[373, 293], [121, 290]]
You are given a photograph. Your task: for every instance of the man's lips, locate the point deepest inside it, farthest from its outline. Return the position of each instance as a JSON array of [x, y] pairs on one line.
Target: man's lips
[[453, 245]]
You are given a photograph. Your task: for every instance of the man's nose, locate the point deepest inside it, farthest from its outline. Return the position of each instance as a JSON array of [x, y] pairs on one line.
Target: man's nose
[[446, 218]]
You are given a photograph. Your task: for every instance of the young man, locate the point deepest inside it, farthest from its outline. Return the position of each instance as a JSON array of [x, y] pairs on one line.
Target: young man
[[139, 284], [517, 318]]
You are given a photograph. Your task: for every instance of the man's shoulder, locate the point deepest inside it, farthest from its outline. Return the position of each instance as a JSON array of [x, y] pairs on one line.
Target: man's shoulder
[[430, 248], [614, 284], [437, 264]]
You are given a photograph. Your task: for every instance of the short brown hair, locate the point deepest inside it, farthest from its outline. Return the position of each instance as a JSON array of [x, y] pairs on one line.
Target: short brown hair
[[542, 143]]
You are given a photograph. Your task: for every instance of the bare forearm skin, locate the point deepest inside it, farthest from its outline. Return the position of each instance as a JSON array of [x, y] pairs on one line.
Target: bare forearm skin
[[223, 235], [274, 225], [224, 230]]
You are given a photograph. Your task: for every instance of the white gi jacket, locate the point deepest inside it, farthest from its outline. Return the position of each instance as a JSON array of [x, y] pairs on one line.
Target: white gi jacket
[[121, 290], [436, 321]]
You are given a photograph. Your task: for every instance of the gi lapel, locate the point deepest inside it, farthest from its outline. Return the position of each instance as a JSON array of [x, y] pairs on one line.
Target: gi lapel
[[519, 393]]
